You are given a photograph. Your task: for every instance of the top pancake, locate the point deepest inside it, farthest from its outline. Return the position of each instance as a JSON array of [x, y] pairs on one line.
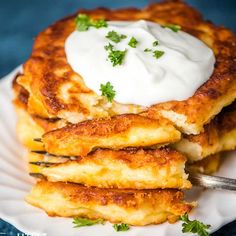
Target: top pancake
[[56, 91]]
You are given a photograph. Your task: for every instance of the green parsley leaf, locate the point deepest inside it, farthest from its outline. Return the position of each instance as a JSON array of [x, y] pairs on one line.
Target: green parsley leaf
[[116, 57], [115, 37], [147, 50], [173, 27], [108, 91], [80, 222], [83, 22], [109, 47], [155, 43], [157, 54], [133, 42], [121, 227], [98, 23], [194, 226]]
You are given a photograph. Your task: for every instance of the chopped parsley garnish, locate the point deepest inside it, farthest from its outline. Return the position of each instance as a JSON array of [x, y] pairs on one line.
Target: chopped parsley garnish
[[80, 222], [147, 50], [173, 27], [115, 56], [133, 42], [121, 227], [194, 226], [115, 37], [99, 23], [157, 54], [109, 47], [83, 22], [155, 43], [108, 91]]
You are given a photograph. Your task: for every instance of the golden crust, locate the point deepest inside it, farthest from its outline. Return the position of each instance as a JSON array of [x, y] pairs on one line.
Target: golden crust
[[117, 132], [134, 207], [133, 168], [49, 78], [219, 135], [20, 94]]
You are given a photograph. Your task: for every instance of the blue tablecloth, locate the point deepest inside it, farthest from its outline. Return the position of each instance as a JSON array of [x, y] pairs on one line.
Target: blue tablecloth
[[21, 20]]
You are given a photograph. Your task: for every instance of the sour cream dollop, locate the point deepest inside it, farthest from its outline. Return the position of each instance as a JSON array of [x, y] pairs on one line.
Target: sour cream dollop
[[141, 79]]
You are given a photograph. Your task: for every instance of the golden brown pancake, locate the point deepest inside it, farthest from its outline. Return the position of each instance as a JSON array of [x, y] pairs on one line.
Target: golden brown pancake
[[134, 169], [219, 135], [118, 132], [56, 91], [134, 207]]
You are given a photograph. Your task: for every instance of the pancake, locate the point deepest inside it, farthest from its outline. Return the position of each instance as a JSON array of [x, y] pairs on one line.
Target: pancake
[[134, 207], [118, 132], [56, 91], [219, 135], [38, 162], [134, 169]]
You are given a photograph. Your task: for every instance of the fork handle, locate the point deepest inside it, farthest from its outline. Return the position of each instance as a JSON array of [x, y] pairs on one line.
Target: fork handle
[[215, 182]]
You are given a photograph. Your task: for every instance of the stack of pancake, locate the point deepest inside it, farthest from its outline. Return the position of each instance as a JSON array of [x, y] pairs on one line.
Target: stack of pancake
[[123, 163]]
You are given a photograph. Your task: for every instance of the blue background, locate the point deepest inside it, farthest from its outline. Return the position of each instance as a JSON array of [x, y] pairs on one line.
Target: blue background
[[21, 20]]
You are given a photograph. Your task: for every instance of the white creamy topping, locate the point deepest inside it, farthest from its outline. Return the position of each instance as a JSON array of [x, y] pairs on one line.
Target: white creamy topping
[[141, 79]]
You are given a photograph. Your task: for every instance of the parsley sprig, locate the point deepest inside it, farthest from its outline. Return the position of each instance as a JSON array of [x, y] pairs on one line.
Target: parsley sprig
[[115, 37], [133, 42], [157, 53], [108, 91], [173, 27], [115, 56], [121, 227], [83, 22], [194, 226], [80, 222]]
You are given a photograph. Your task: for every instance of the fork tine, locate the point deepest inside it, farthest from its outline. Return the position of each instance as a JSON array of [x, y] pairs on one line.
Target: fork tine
[[38, 140]]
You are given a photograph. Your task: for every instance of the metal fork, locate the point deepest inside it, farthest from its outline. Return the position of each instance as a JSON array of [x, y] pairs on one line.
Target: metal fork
[[214, 182]]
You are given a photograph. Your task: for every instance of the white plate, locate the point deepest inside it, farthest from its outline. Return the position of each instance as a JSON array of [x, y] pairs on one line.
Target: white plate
[[215, 207]]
